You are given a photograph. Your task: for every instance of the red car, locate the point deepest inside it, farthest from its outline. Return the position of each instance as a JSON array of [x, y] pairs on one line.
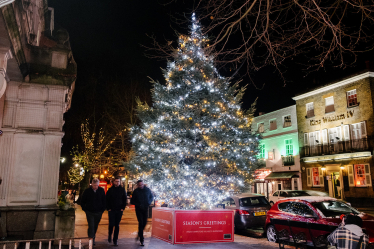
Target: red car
[[318, 214]]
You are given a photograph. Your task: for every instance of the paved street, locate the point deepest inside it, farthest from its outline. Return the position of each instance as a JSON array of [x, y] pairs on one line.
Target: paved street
[[128, 231]]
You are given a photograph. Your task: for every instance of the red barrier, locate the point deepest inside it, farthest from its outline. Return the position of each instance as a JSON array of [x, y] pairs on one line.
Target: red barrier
[[192, 226]]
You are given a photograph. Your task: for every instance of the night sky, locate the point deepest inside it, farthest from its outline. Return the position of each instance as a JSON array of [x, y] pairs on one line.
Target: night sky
[[106, 38]]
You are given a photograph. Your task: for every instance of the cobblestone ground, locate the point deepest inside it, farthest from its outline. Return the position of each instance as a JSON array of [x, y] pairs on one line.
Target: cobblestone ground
[[128, 232]]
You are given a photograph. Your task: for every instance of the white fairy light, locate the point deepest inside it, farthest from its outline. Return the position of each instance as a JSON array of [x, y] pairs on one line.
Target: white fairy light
[[194, 146]]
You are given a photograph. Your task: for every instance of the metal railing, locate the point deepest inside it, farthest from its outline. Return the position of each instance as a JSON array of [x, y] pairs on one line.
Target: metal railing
[[337, 147], [27, 243], [288, 160]]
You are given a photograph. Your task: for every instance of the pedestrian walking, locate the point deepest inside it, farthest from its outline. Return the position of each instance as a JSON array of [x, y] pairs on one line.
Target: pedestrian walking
[[74, 193], [116, 199], [93, 204], [142, 197], [69, 197], [349, 234]]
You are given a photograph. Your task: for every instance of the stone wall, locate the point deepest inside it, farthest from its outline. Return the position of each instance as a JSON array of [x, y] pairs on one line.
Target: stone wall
[[31, 143]]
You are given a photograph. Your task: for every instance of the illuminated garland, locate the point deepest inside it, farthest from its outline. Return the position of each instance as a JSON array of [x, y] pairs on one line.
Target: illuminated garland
[[194, 146]]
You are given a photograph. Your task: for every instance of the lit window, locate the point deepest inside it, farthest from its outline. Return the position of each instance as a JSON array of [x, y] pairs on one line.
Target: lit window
[[317, 177], [362, 175], [310, 110], [329, 104], [261, 151], [287, 121], [352, 98], [289, 147], [273, 125], [261, 127]]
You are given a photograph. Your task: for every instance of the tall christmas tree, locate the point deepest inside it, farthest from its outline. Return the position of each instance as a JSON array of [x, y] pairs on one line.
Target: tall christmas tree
[[195, 145]]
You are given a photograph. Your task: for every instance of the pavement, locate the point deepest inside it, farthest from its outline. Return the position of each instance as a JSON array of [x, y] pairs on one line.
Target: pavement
[[129, 228]]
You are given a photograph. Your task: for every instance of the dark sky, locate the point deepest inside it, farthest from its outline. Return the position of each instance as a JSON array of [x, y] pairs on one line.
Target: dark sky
[[106, 38]]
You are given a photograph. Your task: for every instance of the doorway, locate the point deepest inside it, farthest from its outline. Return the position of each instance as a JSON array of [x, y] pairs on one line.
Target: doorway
[[335, 189]]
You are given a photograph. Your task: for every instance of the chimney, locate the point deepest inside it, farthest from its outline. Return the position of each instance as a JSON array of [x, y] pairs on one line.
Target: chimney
[[261, 113]]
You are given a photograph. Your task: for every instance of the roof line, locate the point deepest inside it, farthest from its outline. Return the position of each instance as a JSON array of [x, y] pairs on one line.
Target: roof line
[[337, 84]]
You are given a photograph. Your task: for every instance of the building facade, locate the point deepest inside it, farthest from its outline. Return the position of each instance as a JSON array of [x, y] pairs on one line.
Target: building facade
[[37, 77], [336, 126], [279, 148]]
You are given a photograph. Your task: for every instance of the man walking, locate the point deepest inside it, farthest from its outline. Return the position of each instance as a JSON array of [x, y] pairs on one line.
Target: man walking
[[142, 197], [349, 234], [116, 200], [93, 204]]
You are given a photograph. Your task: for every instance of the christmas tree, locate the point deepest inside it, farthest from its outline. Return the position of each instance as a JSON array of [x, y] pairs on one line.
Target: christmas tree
[[194, 146]]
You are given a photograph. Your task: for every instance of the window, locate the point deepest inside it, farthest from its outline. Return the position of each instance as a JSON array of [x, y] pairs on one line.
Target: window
[[352, 98], [273, 125], [253, 201], [310, 110], [315, 177], [329, 104], [361, 174], [289, 147], [229, 202], [334, 208], [287, 121], [283, 194], [271, 155], [335, 135], [276, 193], [262, 151], [285, 207], [358, 130], [314, 138], [261, 127], [295, 208]]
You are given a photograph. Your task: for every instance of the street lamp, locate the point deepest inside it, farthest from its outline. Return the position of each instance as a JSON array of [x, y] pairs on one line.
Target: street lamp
[[62, 159]]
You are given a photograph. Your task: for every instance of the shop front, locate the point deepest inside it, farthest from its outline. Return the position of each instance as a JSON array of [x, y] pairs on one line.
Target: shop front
[[289, 180], [260, 185], [342, 176]]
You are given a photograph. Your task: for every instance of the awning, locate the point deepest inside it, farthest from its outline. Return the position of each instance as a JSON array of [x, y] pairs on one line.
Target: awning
[[282, 175]]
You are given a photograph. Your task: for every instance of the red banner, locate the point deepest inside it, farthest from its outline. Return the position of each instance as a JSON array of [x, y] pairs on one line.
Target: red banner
[[198, 226], [162, 224], [192, 226]]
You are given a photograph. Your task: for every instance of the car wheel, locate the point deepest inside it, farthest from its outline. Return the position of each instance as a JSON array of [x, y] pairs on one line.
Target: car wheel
[[271, 234], [271, 203]]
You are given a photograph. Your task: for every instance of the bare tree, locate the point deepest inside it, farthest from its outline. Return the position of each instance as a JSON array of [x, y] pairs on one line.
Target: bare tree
[[120, 114], [259, 33]]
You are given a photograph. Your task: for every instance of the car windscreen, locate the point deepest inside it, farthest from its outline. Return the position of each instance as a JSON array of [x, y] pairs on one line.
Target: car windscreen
[[334, 208], [253, 201]]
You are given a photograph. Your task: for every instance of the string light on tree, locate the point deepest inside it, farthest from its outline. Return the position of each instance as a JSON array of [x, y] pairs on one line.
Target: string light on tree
[[194, 146]]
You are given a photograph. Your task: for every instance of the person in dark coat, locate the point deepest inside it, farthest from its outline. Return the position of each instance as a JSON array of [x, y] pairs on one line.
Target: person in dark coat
[[93, 204], [142, 197], [116, 199]]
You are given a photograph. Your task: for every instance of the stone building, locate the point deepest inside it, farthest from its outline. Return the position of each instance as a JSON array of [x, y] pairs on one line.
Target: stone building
[[37, 76], [279, 148], [336, 127]]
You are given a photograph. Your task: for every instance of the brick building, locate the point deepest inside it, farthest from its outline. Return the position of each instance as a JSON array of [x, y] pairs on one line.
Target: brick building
[[336, 127], [280, 150]]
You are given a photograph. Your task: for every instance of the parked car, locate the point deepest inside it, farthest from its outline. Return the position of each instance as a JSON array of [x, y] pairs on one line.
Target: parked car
[[318, 211], [280, 194], [250, 210]]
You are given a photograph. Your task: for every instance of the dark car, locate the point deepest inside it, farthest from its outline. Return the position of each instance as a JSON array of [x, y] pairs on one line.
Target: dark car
[[316, 211], [250, 210]]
